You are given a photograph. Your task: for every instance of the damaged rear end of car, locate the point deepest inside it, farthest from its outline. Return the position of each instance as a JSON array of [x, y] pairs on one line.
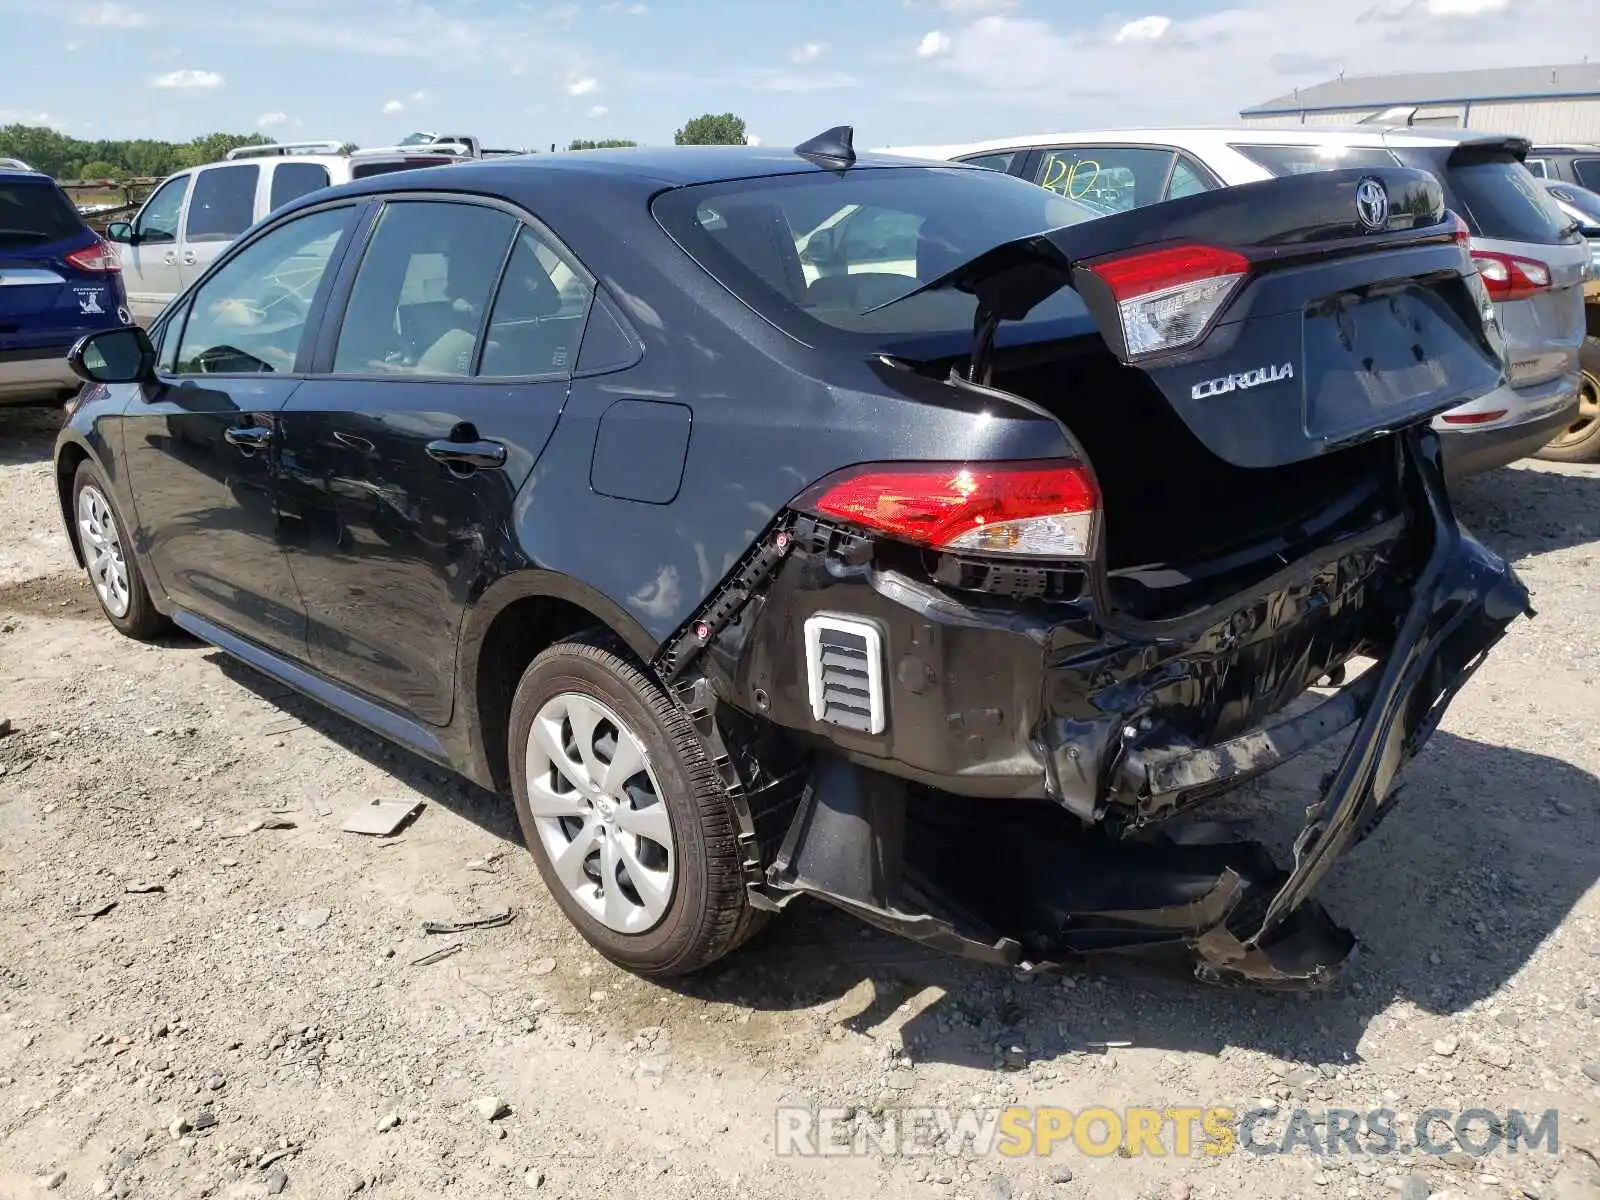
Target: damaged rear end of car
[[1003, 692]]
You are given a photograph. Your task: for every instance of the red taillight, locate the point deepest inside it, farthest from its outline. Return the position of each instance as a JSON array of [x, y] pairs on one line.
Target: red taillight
[[1167, 298], [1036, 509], [1463, 234], [1509, 276], [99, 257]]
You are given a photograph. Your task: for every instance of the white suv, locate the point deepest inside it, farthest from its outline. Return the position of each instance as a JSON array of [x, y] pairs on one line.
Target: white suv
[[1531, 259], [196, 214]]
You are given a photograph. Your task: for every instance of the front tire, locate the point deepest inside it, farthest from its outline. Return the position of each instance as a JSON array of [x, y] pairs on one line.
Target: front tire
[[1580, 441], [624, 813], [108, 555]]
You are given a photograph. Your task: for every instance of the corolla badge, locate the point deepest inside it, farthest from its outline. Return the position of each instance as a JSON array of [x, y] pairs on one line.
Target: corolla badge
[[1372, 203], [1241, 381]]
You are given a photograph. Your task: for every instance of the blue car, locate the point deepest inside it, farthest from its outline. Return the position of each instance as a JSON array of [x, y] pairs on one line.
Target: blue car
[[58, 281]]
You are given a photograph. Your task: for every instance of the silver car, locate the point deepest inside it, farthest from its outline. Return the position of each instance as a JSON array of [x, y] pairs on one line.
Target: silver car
[[1532, 260]]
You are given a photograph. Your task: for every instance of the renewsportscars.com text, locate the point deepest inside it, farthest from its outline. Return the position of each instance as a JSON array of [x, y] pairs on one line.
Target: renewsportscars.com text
[[1177, 1131]]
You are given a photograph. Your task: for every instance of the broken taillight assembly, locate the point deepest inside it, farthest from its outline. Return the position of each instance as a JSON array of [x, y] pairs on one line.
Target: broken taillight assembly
[[1510, 276], [1167, 299], [1025, 509]]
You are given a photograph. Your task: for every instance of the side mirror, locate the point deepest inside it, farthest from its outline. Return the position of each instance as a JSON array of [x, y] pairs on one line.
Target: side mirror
[[123, 355], [119, 231]]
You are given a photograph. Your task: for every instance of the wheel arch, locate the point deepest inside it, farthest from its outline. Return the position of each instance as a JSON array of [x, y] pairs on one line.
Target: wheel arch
[[71, 455], [515, 619]]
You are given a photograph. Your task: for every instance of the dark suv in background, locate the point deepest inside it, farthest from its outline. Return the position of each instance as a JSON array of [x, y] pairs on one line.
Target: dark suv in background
[[1570, 164], [58, 281]]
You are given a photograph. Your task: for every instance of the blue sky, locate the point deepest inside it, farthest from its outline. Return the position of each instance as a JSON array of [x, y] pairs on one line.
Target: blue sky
[[531, 72]]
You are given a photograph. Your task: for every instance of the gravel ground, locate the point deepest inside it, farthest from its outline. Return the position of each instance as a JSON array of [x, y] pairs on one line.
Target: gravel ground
[[246, 1014]]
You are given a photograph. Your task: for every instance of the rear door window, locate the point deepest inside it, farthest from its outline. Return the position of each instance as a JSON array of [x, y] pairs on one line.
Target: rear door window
[[1302, 160], [1538, 167], [1110, 179], [1189, 178], [33, 212], [224, 203], [1588, 172], [291, 180], [538, 315], [421, 295], [1504, 201], [992, 162]]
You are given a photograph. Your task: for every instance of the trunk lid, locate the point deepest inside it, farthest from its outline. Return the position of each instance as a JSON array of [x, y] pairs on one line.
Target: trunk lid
[[1354, 309]]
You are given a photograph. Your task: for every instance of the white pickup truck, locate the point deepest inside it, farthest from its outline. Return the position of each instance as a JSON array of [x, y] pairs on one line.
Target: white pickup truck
[[462, 144]]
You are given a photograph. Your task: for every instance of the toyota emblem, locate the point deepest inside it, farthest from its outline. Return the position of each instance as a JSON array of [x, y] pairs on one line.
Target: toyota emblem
[[1372, 203]]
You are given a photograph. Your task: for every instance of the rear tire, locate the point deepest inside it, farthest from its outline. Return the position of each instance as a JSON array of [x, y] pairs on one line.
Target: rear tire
[[669, 822], [115, 572], [1580, 441]]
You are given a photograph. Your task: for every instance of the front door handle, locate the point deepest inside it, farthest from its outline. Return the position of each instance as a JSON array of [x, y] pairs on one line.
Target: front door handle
[[467, 456], [171, 258], [248, 438]]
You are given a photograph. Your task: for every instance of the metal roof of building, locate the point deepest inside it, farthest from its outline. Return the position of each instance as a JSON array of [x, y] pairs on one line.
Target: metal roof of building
[[1439, 87]]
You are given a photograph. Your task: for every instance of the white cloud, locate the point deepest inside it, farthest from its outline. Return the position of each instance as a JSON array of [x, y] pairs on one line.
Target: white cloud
[[1145, 29], [112, 15], [393, 108], [421, 99], [633, 10], [934, 44], [599, 110], [22, 116], [267, 120], [189, 80], [751, 139], [808, 53], [1247, 52], [583, 87]]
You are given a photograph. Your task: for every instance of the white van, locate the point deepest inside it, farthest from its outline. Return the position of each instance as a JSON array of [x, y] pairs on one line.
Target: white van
[[196, 214]]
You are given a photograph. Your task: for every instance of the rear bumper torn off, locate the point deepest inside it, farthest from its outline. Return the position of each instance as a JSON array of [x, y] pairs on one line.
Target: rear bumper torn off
[[903, 853]]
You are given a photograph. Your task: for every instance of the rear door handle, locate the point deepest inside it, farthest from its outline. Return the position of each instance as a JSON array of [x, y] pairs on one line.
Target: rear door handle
[[467, 456], [190, 258], [248, 438]]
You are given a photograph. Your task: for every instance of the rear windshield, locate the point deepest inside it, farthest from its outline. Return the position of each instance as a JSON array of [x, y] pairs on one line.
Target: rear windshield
[[390, 165], [817, 252], [35, 211], [1503, 200], [1301, 160]]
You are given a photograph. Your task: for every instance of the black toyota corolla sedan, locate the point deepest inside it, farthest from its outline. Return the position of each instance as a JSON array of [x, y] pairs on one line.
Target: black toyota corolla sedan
[[772, 523]]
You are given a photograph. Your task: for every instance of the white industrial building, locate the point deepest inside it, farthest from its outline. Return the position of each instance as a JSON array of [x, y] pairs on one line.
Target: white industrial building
[[1549, 105]]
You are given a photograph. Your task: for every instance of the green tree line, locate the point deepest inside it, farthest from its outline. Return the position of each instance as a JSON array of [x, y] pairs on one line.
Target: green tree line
[[65, 157]]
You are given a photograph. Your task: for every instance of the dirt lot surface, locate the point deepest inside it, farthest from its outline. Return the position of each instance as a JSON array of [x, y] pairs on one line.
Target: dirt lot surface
[[246, 1015]]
